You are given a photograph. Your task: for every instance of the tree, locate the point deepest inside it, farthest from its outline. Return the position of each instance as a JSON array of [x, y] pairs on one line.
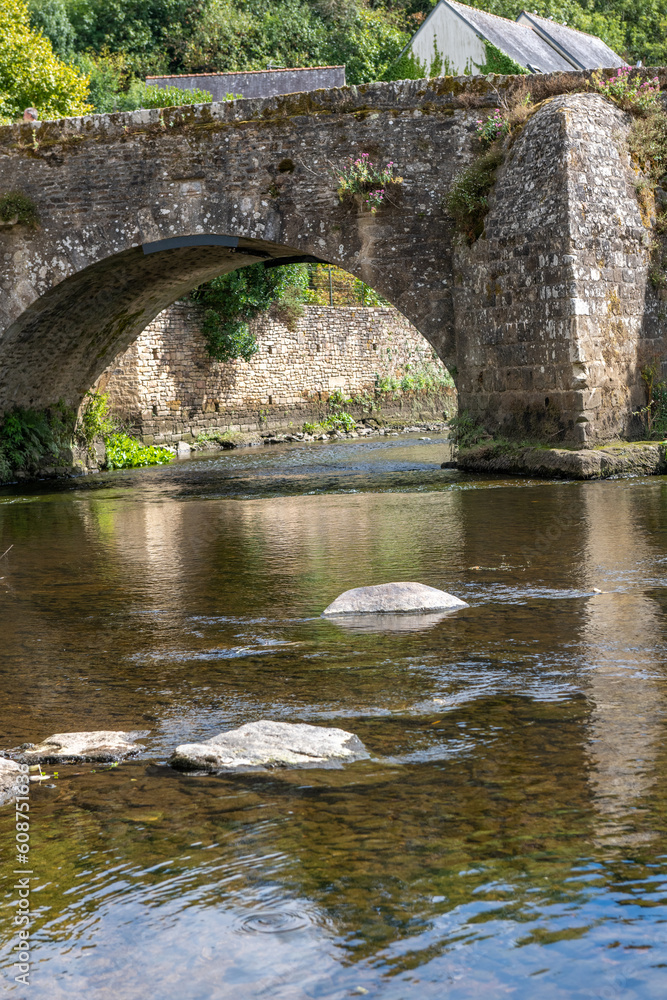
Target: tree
[[30, 72]]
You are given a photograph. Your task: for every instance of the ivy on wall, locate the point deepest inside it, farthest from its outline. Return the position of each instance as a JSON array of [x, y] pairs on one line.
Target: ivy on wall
[[232, 300]]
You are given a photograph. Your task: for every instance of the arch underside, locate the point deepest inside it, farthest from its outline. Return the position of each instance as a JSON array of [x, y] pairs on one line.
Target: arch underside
[[62, 343]]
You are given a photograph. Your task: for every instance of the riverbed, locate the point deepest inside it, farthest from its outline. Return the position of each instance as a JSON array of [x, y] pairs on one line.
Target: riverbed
[[508, 836]]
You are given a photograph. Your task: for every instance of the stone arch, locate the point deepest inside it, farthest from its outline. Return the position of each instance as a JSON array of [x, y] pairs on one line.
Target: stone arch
[[80, 287], [529, 314]]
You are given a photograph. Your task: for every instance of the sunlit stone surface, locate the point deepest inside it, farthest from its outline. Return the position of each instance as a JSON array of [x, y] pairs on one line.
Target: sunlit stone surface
[[103, 745], [10, 779], [264, 744], [393, 598]]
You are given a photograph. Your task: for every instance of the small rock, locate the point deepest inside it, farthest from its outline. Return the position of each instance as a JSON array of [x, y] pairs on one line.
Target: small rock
[[392, 598], [183, 449], [424, 439], [101, 746], [12, 777], [263, 745]]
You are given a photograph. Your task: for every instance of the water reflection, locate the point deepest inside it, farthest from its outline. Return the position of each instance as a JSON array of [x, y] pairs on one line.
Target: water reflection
[[625, 683], [507, 838]]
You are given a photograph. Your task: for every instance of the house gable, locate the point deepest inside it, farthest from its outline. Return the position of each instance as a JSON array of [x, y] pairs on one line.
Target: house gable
[[456, 34]]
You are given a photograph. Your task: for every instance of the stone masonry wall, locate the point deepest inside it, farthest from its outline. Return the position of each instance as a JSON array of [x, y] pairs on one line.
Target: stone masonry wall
[[168, 388]]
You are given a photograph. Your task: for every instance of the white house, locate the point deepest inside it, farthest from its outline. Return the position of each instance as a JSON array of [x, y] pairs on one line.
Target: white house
[[456, 39]]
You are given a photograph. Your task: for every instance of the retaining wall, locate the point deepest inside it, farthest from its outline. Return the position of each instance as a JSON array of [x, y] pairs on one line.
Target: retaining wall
[[168, 388]]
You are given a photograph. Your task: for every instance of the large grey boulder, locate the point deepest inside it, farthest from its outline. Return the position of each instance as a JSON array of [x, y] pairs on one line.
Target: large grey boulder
[[12, 777], [263, 745], [393, 598], [102, 746]]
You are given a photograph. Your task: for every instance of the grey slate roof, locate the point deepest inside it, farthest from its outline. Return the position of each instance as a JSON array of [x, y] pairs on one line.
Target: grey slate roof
[[584, 51], [519, 42]]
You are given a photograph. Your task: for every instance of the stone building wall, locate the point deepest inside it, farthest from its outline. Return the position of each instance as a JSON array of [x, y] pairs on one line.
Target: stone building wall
[[168, 388]]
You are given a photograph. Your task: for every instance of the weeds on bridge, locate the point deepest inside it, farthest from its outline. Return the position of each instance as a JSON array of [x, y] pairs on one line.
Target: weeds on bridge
[[364, 182], [17, 209]]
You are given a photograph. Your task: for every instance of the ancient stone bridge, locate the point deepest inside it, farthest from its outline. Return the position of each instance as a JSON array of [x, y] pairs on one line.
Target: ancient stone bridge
[[543, 321]]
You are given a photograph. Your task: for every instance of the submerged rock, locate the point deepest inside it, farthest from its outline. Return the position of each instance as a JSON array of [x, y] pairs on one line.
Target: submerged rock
[[12, 777], [393, 598], [103, 746], [260, 746]]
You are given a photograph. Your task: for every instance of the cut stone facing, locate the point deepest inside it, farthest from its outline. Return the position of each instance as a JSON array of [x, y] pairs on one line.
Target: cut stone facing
[[393, 598], [264, 745], [102, 746]]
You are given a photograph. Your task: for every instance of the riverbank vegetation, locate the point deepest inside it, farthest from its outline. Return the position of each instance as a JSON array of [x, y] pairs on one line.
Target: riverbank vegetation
[[121, 450], [39, 442]]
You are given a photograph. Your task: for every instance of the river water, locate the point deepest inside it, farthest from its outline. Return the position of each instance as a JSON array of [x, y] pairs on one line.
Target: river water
[[509, 836]]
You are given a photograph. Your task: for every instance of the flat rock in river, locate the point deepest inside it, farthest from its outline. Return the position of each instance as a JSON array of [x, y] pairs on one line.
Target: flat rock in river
[[11, 779], [103, 746], [393, 598], [259, 746]]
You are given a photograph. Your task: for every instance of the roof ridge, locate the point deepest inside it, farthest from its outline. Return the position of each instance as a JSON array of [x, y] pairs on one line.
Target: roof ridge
[[560, 24]]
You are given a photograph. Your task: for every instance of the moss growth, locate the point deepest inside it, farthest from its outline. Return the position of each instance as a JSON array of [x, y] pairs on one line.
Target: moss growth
[[16, 207], [468, 198]]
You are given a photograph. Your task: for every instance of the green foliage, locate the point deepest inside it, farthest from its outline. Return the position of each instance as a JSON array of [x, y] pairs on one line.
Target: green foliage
[[385, 384], [29, 439], [498, 62], [52, 19], [151, 34], [627, 91], [468, 198], [122, 451], [125, 452], [425, 377], [465, 432], [31, 75], [493, 127], [654, 414], [409, 67], [168, 97], [94, 420], [15, 205], [363, 180], [340, 421], [232, 300], [344, 289]]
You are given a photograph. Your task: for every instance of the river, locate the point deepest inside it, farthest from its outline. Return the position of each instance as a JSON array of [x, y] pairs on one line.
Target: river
[[508, 836]]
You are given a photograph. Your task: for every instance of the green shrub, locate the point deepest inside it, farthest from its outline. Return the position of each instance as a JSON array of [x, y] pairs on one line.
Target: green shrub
[[94, 421], [30, 438], [468, 198], [15, 205], [361, 179], [30, 72], [465, 432], [125, 452], [339, 421], [627, 91], [232, 300]]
